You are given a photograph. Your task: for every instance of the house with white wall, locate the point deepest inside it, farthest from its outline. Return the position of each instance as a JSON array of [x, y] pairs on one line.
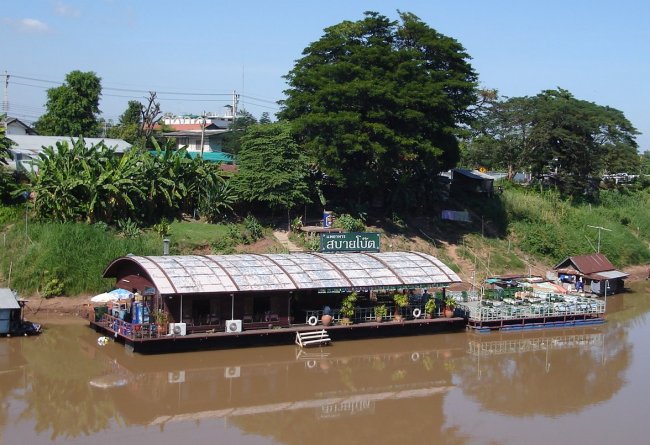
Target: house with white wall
[[16, 126], [26, 148]]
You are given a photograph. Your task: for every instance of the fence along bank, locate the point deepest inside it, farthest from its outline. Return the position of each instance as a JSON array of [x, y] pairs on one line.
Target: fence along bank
[[213, 301]]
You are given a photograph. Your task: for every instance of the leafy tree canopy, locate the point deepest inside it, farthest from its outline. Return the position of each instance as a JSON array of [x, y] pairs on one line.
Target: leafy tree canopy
[[73, 107], [573, 138], [7, 182], [81, 182], [232, 140], [5, 143], [377, 104], [553, 133], [132, 114], [129, 125], [499, 136], [265, 118], [645, 163], [272, 168]]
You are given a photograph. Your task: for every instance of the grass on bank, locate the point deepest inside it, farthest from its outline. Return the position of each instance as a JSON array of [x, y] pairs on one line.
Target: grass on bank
[[56, 258], [547, 227], [51, 259], [189, 235], [531, 227]]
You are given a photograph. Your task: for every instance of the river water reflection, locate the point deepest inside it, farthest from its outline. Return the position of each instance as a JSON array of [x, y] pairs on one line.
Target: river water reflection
[[577, 386]]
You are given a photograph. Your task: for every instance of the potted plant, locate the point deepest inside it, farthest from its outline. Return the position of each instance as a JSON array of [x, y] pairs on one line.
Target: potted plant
[[347, 308], [380, 312], [401, 300], [430, 307], [326, 318], [161, 319], [450, 305]]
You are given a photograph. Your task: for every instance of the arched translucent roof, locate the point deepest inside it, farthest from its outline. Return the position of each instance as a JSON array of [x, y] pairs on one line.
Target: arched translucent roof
[[294, 271]]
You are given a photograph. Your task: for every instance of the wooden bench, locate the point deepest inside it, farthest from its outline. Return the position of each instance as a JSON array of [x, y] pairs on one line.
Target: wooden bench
[[312, 338]]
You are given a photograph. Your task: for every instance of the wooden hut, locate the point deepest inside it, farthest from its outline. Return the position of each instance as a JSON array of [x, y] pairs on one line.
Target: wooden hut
[[10, 310], [594, 272], [471, 181]]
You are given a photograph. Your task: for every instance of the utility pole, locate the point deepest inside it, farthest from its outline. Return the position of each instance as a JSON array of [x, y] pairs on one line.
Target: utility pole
[[599, 230], [5, 100], [202, 132], [235, 102]]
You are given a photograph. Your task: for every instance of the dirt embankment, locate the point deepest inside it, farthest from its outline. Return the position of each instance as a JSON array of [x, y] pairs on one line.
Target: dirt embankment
[[641, 272], [49, 309]]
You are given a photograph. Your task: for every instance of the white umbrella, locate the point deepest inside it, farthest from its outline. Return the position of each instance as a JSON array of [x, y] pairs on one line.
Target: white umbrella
[[122, 294], [114, 295]]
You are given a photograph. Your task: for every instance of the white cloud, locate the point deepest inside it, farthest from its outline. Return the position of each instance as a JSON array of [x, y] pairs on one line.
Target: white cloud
[[32, 25], [63, 9]]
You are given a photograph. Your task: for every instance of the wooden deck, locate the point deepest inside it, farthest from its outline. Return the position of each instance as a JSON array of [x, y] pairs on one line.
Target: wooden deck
[[145, 341]]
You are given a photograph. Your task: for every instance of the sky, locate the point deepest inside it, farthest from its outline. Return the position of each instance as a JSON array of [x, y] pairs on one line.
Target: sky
[[195, 54]]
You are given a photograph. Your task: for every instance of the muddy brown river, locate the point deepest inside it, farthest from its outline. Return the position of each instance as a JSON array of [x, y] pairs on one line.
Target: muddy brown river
[[558, 386]]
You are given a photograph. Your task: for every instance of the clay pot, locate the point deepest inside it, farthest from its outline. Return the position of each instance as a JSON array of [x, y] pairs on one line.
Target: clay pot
[[326, 319]]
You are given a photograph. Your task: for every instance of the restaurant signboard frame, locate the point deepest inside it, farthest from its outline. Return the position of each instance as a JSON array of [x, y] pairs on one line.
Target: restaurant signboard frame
[[349, 242]]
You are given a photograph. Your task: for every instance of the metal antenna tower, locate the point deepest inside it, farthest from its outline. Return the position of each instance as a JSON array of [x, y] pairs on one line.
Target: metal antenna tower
[[600, 229]]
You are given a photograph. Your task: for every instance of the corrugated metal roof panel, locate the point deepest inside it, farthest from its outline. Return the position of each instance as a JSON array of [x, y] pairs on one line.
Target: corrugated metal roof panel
[[587, 264], [596, 262], [35, 143], [609, 275], [250, 272], [8, 299]]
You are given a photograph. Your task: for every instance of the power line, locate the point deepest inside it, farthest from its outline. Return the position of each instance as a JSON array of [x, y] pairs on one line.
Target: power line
[[259, 99], [255, 102], [124, 90]]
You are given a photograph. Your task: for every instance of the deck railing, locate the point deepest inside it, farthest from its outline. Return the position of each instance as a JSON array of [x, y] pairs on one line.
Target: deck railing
[[365, 314], [133, 331], [143, 331], [537, 310]]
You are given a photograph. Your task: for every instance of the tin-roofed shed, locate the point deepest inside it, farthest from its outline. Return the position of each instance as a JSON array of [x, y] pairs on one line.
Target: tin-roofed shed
[[595, 270], [9, 310], [471, 181]]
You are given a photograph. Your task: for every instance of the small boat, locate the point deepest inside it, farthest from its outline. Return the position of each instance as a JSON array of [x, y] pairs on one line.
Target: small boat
[[26, 327]]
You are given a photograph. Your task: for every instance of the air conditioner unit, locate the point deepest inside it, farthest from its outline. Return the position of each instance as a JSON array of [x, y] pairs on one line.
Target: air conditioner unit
[[178, 328], [232, 372], [176, 377], [233, 325]]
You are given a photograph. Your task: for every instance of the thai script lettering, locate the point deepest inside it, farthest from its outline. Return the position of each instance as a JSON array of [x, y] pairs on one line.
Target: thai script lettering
[[367, 242]]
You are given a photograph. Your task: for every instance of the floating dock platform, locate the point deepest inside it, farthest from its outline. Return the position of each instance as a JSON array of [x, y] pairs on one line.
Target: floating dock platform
[[546, 312]]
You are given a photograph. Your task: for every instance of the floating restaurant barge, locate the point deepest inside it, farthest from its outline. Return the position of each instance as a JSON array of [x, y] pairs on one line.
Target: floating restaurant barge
[[193, 302], [540, 311]]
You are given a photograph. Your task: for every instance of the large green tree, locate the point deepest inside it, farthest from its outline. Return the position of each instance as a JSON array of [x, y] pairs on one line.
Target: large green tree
[[574, 138], [272, 168], [553, 133], [129, 125], [500, 136], [377, 104], [72, 108]]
